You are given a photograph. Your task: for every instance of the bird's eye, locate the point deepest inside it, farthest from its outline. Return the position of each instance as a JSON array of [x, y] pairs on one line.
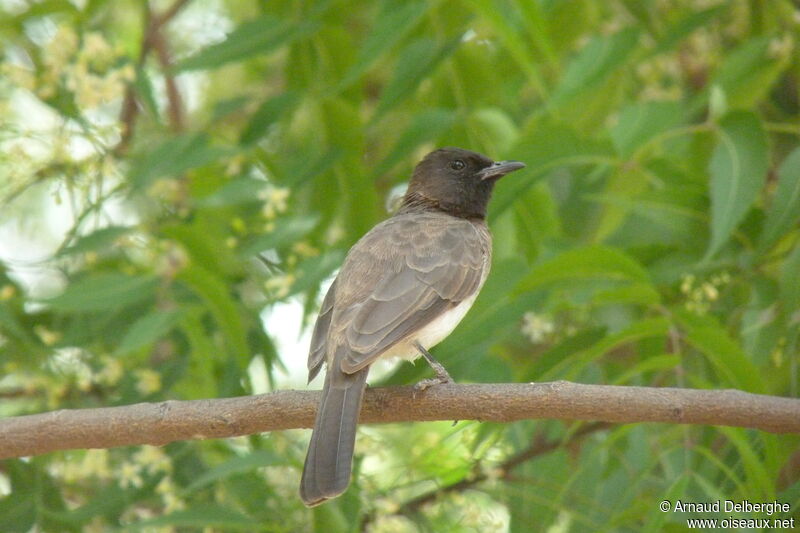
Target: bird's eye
[[457, 164]]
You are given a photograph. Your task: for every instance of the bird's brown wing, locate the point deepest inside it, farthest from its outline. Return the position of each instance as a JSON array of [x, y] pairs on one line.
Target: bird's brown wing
[[316, 352], [401, 276]]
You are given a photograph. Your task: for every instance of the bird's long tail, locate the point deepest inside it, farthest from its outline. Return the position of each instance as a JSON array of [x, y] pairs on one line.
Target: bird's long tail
[[326, 472]]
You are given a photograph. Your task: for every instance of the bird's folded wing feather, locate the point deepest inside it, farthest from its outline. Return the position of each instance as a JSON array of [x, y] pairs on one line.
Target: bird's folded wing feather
[[316, 352], [403, 274]]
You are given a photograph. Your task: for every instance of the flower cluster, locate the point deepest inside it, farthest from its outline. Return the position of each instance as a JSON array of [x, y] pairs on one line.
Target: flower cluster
[[700, 295], [536, 327]]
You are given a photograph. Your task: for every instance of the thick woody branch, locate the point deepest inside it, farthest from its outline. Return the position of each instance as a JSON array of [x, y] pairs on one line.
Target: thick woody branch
[[161, 423]]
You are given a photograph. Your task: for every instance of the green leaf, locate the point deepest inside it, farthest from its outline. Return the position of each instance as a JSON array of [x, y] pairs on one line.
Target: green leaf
[[11, 327], [145, 91], [417, 61], [749, 445], [104, 292], [313, 271], [200, 379], [676, 491], [201, 517], [426, 126], [496, 127], [686, 25], [546, 147], [591, 262], [555, 356], [651, 364], [623, 183], [247, 463], [267, 114], [97, 240], [785, 209], [594, 63], [790, 281], [147, 330], [571, 367], [635, 293], [258, 36], [512, 40], [738, 168], [236, 191], [19, 509], [748, 72], [174, 157], [733, 366], [640, 122], [393, 22], [215, 293], [287, 231]]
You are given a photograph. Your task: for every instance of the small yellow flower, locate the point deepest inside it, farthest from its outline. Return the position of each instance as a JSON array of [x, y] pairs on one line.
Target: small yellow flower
[[47, 336], [111, 371], [279, 286], [303, 249], [536, 327], [18, 75], [60, 49], [275, 201], [147, 381], [126, 73], [96, 51], [235, 165], [781, 47], [7, 292], [686, 283], [172, 259], [238, 225], [710, 291], [153, 459], [95, 463], [130, 475], [169, 495], [778, 352]]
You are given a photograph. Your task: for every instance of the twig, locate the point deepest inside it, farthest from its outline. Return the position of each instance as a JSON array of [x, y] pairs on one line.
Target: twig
[[169, 421], [151, 36], [537, 448]]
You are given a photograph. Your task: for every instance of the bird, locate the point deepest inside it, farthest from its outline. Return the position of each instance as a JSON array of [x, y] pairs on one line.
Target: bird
[[402, 288]]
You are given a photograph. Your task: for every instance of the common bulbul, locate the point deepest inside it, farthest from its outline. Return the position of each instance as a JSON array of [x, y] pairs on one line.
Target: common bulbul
[[403, 287]]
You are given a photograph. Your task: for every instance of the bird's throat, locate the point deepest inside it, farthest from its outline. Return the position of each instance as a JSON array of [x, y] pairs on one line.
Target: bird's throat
[[416, 202]]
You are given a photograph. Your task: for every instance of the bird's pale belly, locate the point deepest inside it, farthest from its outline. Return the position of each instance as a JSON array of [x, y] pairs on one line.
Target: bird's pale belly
[[431, 334]]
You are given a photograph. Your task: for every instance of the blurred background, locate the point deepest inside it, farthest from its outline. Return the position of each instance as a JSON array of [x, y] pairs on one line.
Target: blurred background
[[179, 181]]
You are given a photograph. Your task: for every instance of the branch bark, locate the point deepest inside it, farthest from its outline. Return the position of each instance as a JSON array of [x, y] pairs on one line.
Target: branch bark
[[164, 422]]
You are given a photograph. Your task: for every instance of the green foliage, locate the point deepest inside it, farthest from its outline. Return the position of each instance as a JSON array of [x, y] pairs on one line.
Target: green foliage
[[167, 176]]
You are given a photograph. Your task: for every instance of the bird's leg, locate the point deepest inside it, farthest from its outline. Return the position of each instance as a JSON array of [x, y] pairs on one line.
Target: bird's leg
[[441, 374]]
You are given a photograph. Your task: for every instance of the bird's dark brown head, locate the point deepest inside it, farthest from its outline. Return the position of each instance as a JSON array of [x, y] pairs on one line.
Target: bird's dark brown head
[[456, 181]]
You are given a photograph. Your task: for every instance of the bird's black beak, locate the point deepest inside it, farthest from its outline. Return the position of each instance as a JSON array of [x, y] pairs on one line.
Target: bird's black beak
[[499, 169]]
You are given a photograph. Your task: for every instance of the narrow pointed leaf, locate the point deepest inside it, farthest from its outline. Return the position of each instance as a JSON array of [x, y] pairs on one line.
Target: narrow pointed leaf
[[785, 209], [738, 168], [258, 36]]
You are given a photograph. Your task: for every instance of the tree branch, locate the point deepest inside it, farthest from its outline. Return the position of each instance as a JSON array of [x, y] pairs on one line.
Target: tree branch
[[164, 422]]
